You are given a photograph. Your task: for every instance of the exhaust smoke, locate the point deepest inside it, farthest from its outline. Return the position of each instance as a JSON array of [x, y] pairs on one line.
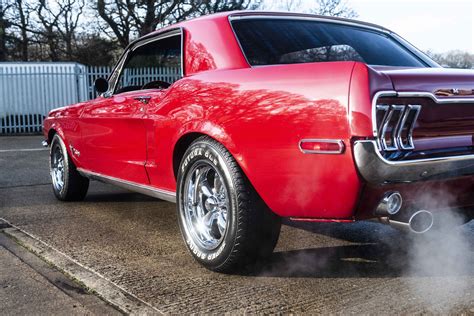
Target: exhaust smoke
[[441, 262], [381, 268]]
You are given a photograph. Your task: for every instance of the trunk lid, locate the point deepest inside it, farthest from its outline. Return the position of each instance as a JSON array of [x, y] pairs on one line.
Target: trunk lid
[[428, 79]]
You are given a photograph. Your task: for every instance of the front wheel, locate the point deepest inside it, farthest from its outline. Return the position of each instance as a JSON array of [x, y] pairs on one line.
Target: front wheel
[[68, 184], [224, 222]]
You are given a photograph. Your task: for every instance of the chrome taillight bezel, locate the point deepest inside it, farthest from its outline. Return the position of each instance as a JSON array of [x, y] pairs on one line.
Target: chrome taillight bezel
[[394, 125]]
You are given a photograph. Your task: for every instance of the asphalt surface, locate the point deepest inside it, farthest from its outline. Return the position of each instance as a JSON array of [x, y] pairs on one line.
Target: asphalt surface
[[29, 286], [134, 241]]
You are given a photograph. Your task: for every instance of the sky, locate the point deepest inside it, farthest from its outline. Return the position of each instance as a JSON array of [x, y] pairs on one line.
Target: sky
[[437, 25]]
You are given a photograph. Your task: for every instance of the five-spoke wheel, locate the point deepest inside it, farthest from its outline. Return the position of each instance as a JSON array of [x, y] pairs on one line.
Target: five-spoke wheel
[[224, 222], [68, 184], [206, 203], [57, 168]]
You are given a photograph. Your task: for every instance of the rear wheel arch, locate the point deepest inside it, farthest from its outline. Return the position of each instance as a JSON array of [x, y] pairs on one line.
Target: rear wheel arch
[[187, 139], [180, 149]]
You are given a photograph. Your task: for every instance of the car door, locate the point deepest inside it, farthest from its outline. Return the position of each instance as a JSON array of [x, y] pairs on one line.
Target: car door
[[113, 137], [114, 141]]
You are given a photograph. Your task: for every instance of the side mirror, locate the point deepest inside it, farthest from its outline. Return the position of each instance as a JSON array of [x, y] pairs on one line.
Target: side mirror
[[101, 85]]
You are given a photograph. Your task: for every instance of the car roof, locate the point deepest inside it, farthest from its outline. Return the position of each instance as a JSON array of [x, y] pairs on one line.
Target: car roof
[[220, 21], [268, 14]]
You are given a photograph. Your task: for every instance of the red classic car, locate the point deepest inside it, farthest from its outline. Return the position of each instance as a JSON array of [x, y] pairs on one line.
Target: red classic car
[[273, 115]]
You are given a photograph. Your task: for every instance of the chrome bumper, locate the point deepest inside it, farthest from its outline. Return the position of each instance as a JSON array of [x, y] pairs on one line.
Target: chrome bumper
[[377, 170]]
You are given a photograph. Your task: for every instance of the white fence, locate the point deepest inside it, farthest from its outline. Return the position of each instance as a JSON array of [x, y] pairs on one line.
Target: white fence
[[28, 91]]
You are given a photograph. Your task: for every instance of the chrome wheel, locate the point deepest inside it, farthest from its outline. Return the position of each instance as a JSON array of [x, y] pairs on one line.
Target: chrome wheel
[[206, 205], [57, 168]]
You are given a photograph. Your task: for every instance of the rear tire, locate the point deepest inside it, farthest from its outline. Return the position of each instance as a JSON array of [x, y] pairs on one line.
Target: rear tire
[[224, 223], [68, 184]]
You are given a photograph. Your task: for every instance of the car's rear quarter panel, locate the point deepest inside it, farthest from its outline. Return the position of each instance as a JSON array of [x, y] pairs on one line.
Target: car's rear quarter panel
[[260, 114]]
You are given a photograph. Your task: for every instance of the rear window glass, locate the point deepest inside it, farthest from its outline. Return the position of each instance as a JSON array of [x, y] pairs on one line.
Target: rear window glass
[[286, 41]]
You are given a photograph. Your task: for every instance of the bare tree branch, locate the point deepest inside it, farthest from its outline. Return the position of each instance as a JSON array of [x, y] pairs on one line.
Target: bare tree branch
[[132, 18], [337, 8], [454, 59]]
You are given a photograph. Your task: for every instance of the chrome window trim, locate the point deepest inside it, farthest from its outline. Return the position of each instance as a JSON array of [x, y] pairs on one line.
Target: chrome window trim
[[397, 38], [420, 54], [181, 29], [113, 78], [166, 195], [328, 152], [307, 18], [238, 41]]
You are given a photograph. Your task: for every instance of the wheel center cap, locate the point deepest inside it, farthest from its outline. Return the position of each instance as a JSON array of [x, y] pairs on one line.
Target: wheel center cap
[[211, 203]]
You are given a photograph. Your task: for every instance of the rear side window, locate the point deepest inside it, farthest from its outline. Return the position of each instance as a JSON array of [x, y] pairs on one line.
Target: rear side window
[[285, 41]]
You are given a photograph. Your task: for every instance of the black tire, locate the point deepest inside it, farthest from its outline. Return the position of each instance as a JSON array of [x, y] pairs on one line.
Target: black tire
[[252, 229], [73, 186]]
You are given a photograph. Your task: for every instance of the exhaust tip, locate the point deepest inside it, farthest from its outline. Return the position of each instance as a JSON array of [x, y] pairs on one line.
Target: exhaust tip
[[390, 204], [421, 222]]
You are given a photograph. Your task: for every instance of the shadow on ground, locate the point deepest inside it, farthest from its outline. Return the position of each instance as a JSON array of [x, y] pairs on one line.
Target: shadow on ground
[[376, 251]]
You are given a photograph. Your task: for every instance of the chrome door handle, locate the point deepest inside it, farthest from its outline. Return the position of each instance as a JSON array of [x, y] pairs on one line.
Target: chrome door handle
[[143, 99]]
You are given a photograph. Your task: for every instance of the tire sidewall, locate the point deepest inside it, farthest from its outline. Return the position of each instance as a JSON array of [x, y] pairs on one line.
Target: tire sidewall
[[203, 151], [58, 142]]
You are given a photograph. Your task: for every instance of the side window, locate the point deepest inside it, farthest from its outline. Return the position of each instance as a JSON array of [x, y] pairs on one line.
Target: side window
[[154, 65]]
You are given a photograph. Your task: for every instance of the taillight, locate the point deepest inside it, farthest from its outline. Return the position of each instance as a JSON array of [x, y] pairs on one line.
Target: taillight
[[395, 124]]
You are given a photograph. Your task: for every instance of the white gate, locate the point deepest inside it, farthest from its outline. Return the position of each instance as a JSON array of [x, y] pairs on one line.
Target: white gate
[[28, 90]]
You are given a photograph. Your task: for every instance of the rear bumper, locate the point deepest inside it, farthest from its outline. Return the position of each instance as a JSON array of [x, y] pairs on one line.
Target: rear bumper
[[377, 170]]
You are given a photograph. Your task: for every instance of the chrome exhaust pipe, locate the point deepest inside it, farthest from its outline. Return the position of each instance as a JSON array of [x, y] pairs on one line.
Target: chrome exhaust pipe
[[390, 204], [419, 222]]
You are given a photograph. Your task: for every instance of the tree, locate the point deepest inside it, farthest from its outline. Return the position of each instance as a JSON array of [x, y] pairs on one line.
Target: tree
[[4, 24], [133, 18], [454, 59], [283, 5], [60, 22], [69, 21], [117, 17], [23, 14], [94, 50], [337, 8], [17, 17]]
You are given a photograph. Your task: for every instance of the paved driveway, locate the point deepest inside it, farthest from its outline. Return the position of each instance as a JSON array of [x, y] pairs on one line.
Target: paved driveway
[[134, 241]]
